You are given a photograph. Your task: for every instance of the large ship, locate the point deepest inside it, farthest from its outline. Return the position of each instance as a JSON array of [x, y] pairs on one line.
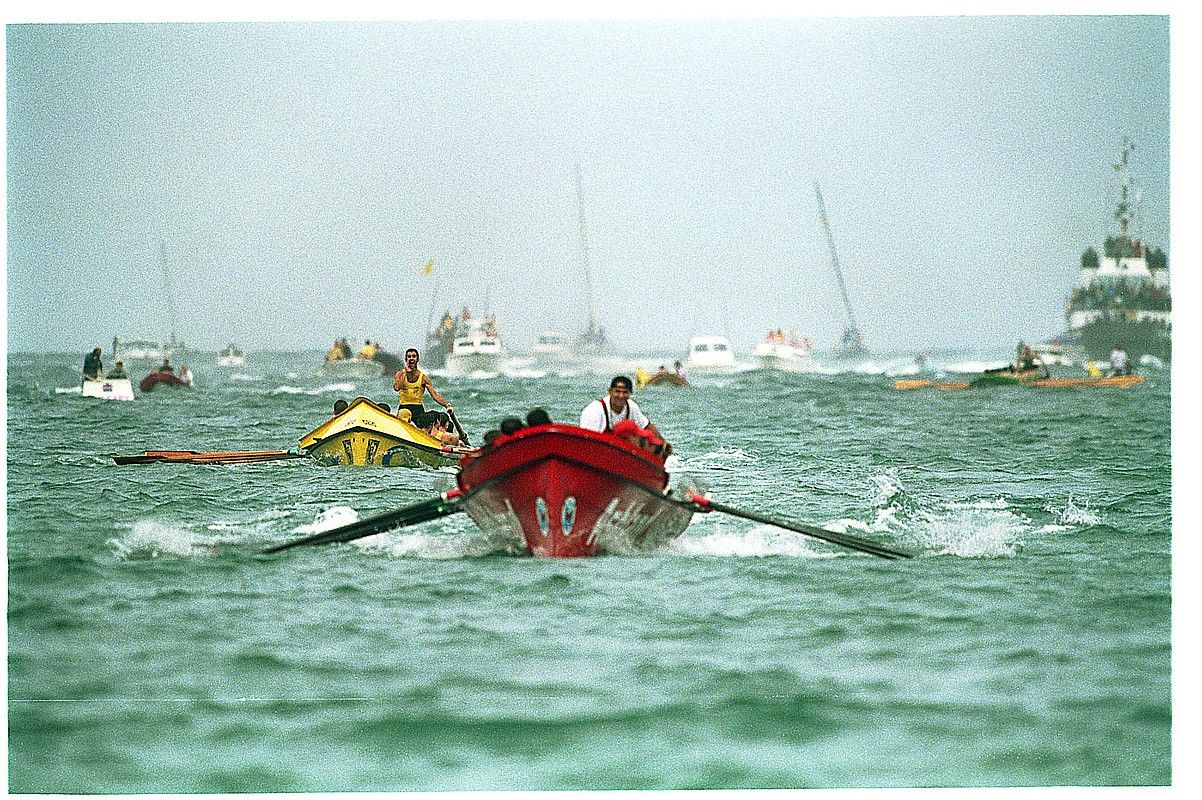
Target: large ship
[[1123, 294]]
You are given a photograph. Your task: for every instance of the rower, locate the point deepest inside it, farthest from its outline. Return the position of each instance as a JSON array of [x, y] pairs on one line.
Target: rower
[[411, 383], [604, 413]]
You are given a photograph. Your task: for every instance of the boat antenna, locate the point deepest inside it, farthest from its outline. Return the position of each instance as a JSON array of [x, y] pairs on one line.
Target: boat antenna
[[167, 286], [830, 240], [588, 278]]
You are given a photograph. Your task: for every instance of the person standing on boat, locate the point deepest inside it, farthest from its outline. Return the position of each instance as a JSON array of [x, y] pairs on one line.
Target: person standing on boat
[[411, 383], [604, 413], [1120, 364], [118, 371], [92, 368]]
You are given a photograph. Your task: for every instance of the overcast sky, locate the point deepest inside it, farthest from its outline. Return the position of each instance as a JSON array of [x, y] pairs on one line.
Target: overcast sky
[[300, 174]]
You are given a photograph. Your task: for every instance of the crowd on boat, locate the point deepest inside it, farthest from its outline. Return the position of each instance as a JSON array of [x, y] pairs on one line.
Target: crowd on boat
[[93, 370]]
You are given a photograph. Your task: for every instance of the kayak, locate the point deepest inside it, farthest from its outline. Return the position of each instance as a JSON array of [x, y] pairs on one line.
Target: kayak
[[367, 435], [562, 491], [162, 378], [1116, 382]]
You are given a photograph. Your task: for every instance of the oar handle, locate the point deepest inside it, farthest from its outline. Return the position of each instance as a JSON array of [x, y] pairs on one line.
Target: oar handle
[[458, 427]]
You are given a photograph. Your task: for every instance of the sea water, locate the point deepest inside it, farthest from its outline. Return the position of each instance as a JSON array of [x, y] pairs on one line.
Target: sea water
[[151, 649]]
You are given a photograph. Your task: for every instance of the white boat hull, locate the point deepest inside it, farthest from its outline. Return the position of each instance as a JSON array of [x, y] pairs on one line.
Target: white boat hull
[[108, 389], [231, 361], [467, 363], [785, 357]]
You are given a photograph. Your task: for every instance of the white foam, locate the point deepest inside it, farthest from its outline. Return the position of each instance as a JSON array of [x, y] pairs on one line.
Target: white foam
[[1073, 514], [759, 542], [329, 388], [333, 517], [68, 389], [153, 539], [969, 533]]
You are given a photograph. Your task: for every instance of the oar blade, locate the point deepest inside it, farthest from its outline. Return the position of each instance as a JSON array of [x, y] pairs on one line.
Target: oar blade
[[441, 506]]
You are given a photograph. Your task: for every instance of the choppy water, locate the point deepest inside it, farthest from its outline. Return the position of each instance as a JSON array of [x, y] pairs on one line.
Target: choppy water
[[150, 649]]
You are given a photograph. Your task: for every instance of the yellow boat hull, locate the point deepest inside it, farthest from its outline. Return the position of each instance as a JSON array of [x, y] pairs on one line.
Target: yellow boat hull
[[365, 435]]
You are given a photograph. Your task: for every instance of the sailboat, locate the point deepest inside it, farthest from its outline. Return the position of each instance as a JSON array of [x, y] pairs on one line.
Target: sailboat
[[593, 340], [851, 344], [130, 350]]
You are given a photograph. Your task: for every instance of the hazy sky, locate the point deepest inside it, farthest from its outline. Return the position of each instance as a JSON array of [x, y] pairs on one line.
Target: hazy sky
[[300, 175]]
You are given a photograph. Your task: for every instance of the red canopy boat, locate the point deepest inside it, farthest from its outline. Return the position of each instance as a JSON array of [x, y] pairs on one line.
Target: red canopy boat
[[162, 378], [560, 490]]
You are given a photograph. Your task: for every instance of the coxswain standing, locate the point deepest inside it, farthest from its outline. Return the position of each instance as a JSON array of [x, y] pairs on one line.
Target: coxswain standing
[[411, 383]]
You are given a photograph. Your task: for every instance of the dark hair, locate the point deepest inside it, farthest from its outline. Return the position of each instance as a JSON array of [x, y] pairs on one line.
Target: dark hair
[[423, 419], [538, 416], [621, 379], [511, 425], [414, 351], [340, 406]]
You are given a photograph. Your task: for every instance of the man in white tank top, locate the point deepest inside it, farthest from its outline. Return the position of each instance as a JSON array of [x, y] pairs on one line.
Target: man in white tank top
[[603, 414]]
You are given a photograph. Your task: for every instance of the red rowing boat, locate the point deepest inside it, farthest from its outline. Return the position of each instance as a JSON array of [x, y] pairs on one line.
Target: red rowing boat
[[560, 490], [162, 378]]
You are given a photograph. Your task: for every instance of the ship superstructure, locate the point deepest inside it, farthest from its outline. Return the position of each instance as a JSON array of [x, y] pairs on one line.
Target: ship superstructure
[[1122, 297]]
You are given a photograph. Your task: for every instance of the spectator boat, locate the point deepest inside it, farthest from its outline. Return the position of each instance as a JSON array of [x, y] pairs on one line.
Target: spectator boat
[[710, 354], [480, 349], [784, 350], [231, 356]]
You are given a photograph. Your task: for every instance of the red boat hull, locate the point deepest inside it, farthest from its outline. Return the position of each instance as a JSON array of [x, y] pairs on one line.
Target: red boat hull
[[563, 491], [157, 379]]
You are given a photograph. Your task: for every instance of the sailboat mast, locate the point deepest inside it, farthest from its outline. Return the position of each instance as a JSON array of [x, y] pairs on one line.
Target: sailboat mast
[[830, 240], [588, 276], [167, 287]]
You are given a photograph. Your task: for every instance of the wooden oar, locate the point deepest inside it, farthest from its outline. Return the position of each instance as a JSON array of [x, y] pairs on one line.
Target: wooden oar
[[196, 457], [703, 504], [458, 427], [445, 504]]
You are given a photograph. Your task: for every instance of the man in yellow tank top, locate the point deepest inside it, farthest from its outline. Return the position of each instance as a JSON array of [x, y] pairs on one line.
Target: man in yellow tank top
[[411, 383]]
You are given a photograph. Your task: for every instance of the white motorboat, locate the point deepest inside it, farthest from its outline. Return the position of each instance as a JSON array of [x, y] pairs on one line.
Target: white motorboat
[[479, 350], [710, 354], [231, 356], [553, 347], [129, 350], [784, 350], [108, 388]]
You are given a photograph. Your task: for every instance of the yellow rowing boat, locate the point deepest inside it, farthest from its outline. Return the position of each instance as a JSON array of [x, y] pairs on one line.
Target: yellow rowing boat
[[366, 435]]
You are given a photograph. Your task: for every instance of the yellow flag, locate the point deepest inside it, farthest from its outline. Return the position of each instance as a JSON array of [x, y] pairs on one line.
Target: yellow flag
[[429, 268]]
